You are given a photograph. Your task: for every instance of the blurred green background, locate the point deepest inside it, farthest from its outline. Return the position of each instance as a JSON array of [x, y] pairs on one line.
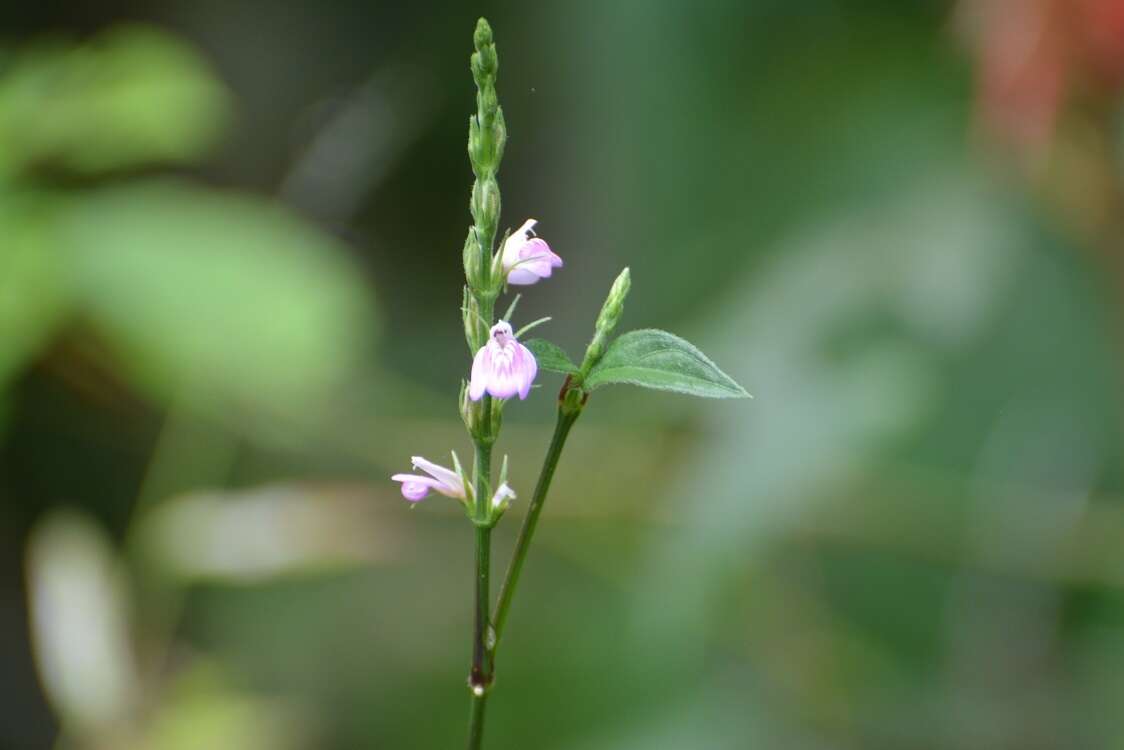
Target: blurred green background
[[230, 240]]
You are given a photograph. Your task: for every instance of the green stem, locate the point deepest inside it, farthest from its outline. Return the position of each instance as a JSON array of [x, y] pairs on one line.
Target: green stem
[[527, 532], [476, 721], [480, 676]]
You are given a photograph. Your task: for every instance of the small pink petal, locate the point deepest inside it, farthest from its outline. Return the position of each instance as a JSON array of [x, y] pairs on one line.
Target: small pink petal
[[503, 493], [481, 369], [527, 258], [528, 368], [503, 386], [451, 484], [521, 277], [414, 487]]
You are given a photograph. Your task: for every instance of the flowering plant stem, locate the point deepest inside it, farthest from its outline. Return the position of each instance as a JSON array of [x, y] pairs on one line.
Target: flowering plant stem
[[503, 368], [487, 634], [531, 520], [480, 677], [481, 667]]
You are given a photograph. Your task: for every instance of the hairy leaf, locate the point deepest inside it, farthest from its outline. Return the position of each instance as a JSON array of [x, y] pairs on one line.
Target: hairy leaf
[[551, 357], [660, 360]]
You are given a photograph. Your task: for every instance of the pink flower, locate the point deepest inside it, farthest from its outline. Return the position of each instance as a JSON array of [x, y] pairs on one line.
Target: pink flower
[[416, 487], [503, 367], [527, 258], [502, 498], [447, 482]]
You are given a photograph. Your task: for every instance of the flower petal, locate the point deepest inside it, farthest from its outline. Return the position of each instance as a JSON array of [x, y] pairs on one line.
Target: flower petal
[[503, 384], [503, 494], [527, 258], [452, 485], [481, 370], [515, 242], [527, 367], [537, 258], [415, 487], [522, 276]]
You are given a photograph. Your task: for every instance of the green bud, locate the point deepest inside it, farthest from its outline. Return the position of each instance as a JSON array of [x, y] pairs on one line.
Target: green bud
[[477, 145], [614, 304], [486, 203], [472, 256], [498, 276], [470, 316], [475, 418], [487, 135], [489, 103], [482, 37], [466, 407], [484, 61], [607, 320], [499, 138]]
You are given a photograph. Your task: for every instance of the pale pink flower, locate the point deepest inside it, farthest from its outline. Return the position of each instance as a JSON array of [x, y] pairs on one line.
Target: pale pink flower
[[527, 258], [502, 497], [503, 367], [416, 487], [447, 482]]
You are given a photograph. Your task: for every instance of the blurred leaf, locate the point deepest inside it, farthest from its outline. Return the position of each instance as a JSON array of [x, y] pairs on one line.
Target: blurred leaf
[[131, 96], [262, 533], [657, 359], [79, 618], [551, 357], [202, 710], [847, 367], [32, 300], [223, 298]]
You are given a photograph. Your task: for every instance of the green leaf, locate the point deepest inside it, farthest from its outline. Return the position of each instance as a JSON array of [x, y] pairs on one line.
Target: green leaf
[[33, 299], [131, 96], [216, 295], [550, 357], [665, 362]]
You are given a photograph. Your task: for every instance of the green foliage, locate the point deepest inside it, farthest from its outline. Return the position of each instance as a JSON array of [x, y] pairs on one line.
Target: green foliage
[[131, 96], [33, 300], [550, 357], [662, 361], [221, 297]]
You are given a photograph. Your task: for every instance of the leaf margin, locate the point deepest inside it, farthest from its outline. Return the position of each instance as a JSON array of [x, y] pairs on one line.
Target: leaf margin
[[602, 373]]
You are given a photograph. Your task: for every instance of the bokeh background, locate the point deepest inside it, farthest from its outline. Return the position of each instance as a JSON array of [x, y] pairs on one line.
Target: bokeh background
[[230, 240]]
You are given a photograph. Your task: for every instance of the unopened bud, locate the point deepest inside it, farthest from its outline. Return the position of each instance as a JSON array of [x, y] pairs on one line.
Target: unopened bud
[[489, 103], [485, 205], [499, 138], [474, 268], [607, 320], [614, 304], [477, 145], [482, 36], [470, 314], [466, 407]]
